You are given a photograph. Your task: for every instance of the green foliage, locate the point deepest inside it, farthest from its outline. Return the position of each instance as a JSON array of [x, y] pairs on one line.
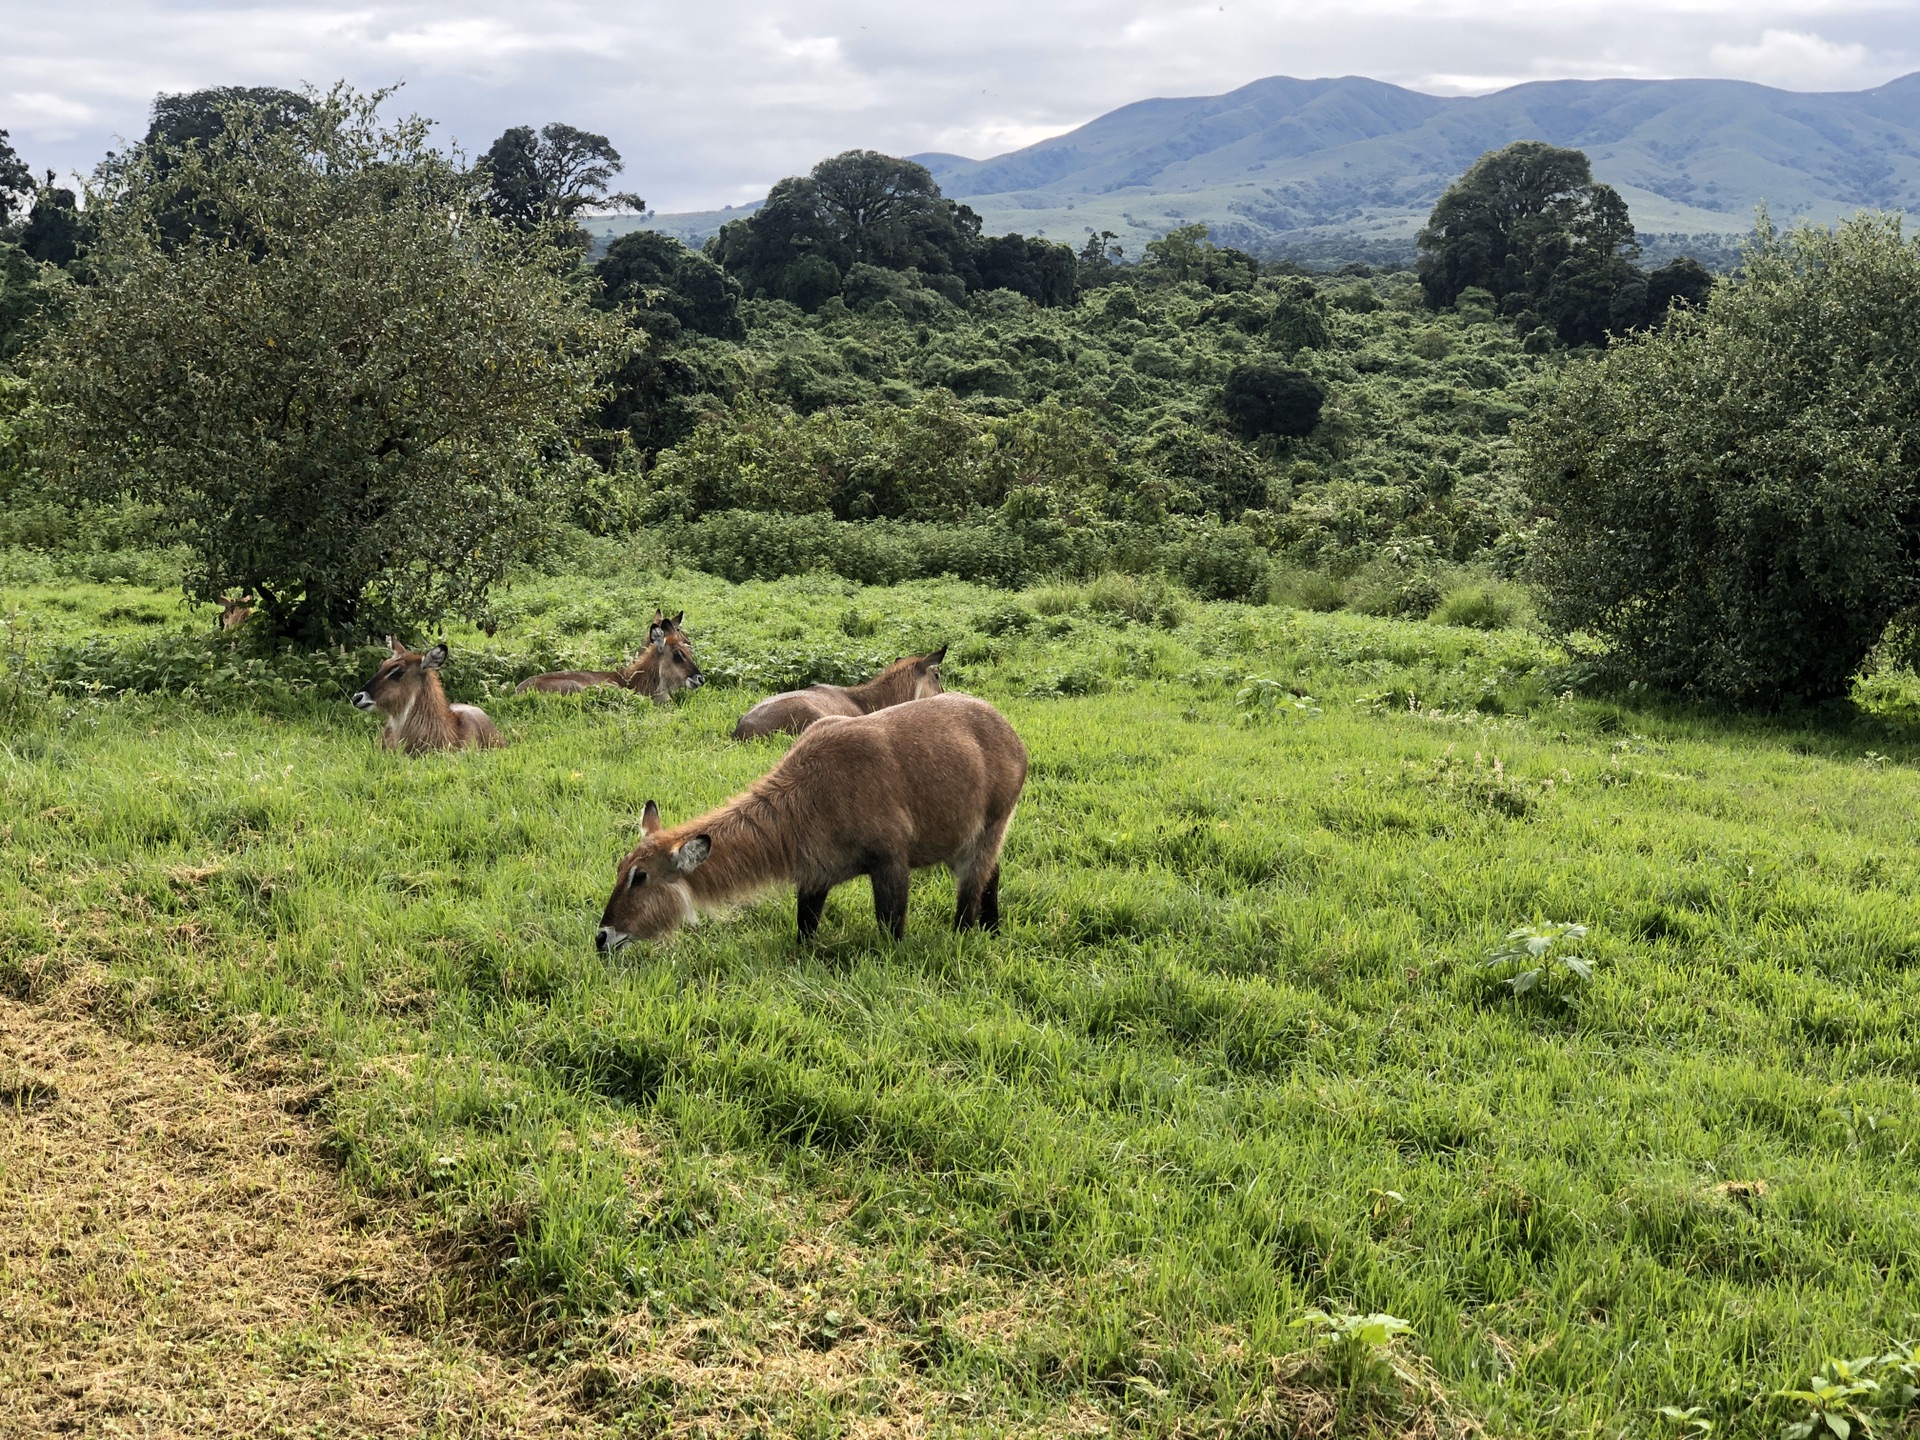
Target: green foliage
[[30, 295], [858, 208], [1849, 1395], [1738, 497], [541, 181], [1514, 219], [1532, 961], [1483, 605], [346, 395], [1264, 398], [16, 182], [933, 460], [1263, 700]]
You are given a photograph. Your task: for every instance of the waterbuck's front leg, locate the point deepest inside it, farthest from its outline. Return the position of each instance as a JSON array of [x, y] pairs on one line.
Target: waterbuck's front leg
[[891, 879], [812, 904]]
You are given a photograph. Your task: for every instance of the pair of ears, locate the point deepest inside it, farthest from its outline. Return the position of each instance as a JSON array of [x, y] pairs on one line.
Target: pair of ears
[[433, 659]]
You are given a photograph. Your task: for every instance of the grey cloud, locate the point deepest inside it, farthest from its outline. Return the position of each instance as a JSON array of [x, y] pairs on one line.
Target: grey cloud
[[711, 103]]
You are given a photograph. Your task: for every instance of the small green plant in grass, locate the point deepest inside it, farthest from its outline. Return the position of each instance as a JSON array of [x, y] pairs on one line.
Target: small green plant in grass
[[1262, 700], [1846, 1397], [1359, 1348], [1531, 962], [1691, 1422]]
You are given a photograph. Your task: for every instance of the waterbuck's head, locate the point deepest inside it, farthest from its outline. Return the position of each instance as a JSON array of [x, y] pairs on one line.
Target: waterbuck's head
[[651, 897], [401, 680], [926, 673], [235, 610], [667, 664]]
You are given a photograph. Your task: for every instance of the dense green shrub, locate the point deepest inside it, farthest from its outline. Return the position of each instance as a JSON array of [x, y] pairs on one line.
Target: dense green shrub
[[744, 545], [1738, 497], [1224, 563], [344, 390], [1263, 397]]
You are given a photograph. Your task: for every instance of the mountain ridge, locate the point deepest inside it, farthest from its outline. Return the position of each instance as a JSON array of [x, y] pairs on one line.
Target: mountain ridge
[[1284, 165]]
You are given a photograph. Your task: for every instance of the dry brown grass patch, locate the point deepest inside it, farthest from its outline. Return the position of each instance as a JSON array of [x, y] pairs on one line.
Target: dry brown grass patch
[[176, 1259]]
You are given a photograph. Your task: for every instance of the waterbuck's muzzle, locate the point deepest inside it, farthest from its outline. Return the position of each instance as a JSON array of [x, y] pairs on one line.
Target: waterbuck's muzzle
[[607, 939], [362, 700], [696, 680]]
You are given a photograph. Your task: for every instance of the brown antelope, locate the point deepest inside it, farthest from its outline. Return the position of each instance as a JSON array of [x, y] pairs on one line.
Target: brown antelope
[[406, 689], [234, 611], [664, 666], [913, 678], [879, 795]]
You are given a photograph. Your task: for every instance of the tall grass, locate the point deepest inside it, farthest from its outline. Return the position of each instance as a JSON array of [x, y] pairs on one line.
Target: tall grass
[[1234, 1057]]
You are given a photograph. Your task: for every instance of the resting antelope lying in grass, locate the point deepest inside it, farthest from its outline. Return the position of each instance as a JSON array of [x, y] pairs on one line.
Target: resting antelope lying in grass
[[880, 795], [406, 689], [916, 677], [666, 665]]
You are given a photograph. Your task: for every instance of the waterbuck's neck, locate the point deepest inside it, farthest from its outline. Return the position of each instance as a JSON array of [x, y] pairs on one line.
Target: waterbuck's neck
[[427, 721], [895, 685], [752, 850]]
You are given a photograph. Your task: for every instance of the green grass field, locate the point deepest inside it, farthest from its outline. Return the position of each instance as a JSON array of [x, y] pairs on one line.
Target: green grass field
[[1233, 1057]]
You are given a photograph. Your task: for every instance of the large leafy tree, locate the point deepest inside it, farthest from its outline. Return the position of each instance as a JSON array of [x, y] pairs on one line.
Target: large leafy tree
[[1514, 219], [547, 177], [858, 208], [16, 183], [348, 389], [1738, 495]]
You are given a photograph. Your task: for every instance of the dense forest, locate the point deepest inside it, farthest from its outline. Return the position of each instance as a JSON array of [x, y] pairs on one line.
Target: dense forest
[[853, 378]]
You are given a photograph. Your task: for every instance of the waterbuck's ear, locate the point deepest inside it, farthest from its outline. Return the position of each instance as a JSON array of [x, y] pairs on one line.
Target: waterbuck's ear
[[936, 657], [674, 623], [650, 819], [435, 657], [690, 854], [395, 644]]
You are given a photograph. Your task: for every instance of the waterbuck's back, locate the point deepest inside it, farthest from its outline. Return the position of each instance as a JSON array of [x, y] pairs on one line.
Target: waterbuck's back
[[793, 711], [929, 781]]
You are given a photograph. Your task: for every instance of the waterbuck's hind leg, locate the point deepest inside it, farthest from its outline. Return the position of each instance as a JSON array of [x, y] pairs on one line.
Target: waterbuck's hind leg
[[812, 904], [990, 899], [891, 879]]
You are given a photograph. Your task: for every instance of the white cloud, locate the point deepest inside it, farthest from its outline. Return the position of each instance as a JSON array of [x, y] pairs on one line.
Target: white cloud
[[712, 102], [1799, 60]]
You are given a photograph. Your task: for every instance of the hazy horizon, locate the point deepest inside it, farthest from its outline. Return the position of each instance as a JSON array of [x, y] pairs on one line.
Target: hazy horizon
[[710, 108]]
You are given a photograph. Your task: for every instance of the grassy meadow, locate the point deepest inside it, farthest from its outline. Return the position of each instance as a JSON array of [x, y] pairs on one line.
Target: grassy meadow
[[1233, 1058]]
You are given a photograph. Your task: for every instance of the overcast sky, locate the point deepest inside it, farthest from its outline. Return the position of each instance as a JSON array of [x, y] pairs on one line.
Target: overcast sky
[[711, 101]]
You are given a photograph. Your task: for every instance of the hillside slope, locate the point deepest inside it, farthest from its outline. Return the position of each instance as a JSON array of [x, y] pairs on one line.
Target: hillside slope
[[1312, 165]]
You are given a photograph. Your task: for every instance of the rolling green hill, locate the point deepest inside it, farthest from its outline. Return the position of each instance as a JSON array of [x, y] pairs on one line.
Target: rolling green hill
[[1321, 166]]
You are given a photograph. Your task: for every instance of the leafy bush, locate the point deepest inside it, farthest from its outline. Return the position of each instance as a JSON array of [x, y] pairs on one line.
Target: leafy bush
[[343, 392], [1738, 497], [1264, 397], [1854, 1393], [1483, 605], [221, 669], [745, 545], [1223, 563], [1308, 590], [931, 461]]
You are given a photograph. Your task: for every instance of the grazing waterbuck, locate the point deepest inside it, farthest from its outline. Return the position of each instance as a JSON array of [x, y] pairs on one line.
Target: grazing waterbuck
[[881, 795], [914, 677], [664, 666], [406, 689]]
